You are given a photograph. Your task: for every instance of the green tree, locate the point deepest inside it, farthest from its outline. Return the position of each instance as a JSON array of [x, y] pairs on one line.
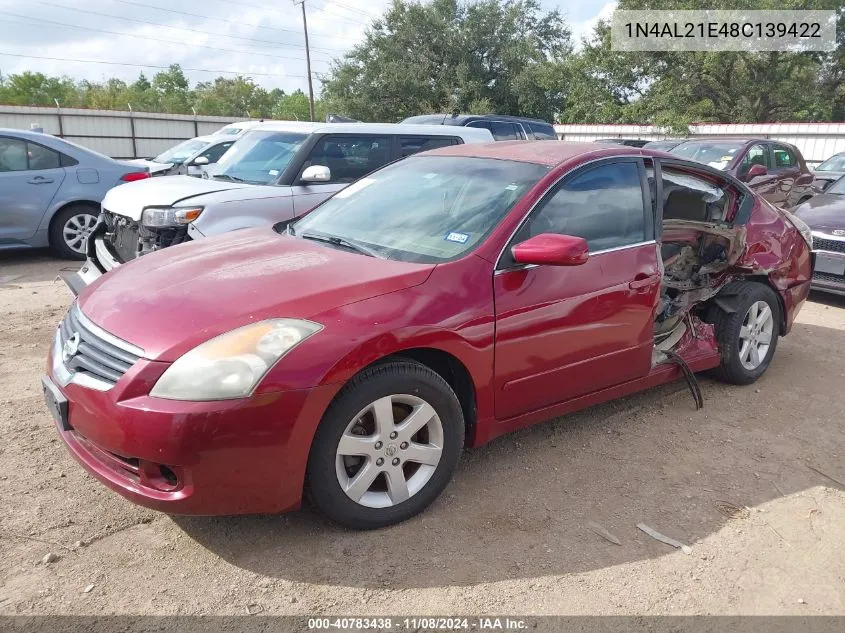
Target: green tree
[[676, 88], [173, 90], [37, 89], [447, 55], [238, 96], [294, 107]]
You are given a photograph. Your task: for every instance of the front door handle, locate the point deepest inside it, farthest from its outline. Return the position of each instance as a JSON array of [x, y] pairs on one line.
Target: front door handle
[[39, 180], [643, 282]]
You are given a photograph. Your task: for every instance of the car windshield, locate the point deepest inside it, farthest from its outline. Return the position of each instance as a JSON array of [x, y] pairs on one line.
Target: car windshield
[[182, 152], [663, 146], [837, 187], [424, 209], [834, 163], [259, 157], [718, 154]]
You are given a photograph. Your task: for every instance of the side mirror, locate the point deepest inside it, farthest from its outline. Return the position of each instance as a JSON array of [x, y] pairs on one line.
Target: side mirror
[[316, 173], [552, 249], [200, 160], [756, 171]]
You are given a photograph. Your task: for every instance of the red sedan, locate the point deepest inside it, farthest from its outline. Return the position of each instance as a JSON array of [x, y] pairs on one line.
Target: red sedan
[[437, 303]]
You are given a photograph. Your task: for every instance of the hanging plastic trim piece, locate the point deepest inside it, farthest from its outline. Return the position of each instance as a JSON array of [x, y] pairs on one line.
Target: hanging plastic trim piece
[[692, 381]]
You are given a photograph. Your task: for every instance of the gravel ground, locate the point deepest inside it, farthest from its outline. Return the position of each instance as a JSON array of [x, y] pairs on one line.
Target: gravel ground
[[510, 535]]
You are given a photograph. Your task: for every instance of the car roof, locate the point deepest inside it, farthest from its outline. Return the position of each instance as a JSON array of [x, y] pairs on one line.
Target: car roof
[[57, 143], [242, 125], [731, 139], [27, 134], [475, 135], [548, 153], [447, 119]]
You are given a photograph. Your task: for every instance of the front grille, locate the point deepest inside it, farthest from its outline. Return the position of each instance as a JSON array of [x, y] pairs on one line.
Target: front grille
[[821, 244], [121, 235], [95, 356], [828, 278]]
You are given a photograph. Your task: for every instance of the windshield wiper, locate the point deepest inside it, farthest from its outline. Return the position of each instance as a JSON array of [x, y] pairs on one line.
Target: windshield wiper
[[228, 177], [340, 241]]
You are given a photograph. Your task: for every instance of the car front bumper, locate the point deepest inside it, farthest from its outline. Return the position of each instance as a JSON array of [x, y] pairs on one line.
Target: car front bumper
[[829, 272], [84, 277], [100, 260], [208, 458]]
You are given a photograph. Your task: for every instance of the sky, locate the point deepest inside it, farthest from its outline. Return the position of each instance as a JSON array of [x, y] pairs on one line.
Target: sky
[[208, 38]]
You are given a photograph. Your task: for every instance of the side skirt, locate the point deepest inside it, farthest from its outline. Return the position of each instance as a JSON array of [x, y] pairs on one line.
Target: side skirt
[[700, 354]]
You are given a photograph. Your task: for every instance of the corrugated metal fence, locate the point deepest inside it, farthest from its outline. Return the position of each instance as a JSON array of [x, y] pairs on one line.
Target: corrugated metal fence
[[122, 134], [112, 132], [816, 141]]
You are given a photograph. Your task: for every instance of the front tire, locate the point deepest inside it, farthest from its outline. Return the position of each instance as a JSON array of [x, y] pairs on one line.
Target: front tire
[[747, 337], [386, 447], [70, 229]]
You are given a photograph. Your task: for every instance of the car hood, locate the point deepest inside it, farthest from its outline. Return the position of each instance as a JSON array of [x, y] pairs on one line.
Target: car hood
[[129, 200], [152, 166], [828, 175], [170, 301], [823, 212]]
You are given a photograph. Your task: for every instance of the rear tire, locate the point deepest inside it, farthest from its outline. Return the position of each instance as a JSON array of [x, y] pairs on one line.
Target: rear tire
[[386, 447], [70, 229], [747, 337]]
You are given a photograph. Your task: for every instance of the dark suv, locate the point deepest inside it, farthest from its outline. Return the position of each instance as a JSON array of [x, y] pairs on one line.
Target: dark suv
[[774, 169], [503, 128]]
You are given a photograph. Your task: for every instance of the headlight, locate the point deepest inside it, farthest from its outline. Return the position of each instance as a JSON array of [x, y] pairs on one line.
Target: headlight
[[802, 227], [231, 365], [158, 217]]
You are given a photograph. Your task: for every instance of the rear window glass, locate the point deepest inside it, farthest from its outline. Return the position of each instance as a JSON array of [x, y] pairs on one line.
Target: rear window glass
[[688, 197], [783, 157], [542, 132], [412, 144], [718, 154]]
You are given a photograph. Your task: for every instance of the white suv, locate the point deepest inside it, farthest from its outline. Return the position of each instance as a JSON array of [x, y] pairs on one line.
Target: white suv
[[277, 171]]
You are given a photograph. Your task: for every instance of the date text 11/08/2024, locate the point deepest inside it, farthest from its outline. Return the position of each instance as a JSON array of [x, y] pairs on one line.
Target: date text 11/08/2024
[[419, 623]]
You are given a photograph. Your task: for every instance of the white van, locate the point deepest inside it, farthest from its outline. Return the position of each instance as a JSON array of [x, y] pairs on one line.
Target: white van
[[277, 171]]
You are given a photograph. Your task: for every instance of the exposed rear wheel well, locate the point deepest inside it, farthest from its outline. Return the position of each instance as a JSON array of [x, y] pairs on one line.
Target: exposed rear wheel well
[[726, 299], [453, 372]]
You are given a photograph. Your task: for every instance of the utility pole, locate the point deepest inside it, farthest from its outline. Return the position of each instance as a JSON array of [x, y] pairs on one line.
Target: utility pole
[[307, 58]]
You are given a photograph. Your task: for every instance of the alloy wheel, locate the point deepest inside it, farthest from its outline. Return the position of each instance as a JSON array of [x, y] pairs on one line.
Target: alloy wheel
[[755, 335], [389, 451], [76, 230]]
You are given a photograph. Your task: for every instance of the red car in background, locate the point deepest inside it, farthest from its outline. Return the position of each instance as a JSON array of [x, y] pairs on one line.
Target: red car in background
[[773, 169], [438, 303]]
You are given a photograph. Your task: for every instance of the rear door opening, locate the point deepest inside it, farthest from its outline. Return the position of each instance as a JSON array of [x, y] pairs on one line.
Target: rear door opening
[[699, 242]]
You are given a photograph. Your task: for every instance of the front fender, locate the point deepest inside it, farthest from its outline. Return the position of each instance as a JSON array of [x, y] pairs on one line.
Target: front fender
[[220, 218], [451, 311]]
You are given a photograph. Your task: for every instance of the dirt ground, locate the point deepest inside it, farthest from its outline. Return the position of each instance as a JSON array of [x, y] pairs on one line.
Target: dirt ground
[[510, 534]]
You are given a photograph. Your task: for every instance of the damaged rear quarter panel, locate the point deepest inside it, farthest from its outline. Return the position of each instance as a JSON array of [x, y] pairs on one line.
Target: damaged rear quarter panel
[[776, 250]]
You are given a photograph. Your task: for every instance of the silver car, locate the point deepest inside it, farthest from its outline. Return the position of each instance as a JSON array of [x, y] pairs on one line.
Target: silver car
[[51, 189], [275, 172]]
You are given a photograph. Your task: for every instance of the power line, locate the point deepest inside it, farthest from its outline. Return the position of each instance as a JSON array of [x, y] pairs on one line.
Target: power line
[[348, 8], [197, 70], [42, 22], [208, 17], [184, 28], [343, 17]]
